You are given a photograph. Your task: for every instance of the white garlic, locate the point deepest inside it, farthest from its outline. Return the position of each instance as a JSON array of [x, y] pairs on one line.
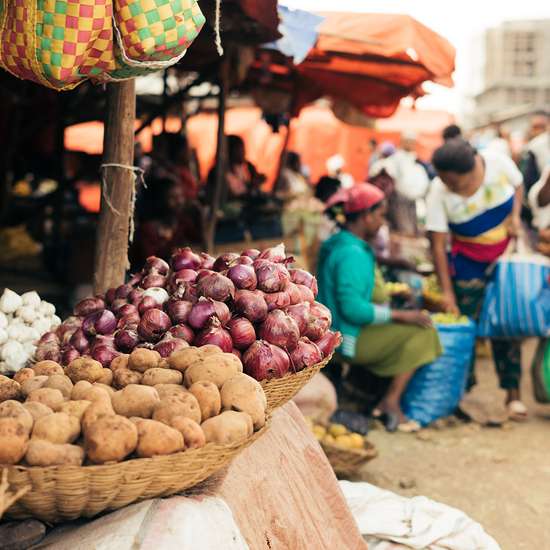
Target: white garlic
[[27, 313], [29, 348], [10, 301], [3, 368], [42, 325], [3, 320], [3, 336], [31, 298], [55, 321], [16, 332], [14, 355], [46, 309]]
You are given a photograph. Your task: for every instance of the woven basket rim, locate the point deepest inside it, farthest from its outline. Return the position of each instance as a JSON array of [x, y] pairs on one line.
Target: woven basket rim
[[291, 375]]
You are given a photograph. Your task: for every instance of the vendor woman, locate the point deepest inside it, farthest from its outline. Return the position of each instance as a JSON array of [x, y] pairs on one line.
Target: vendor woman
[[390, 343]]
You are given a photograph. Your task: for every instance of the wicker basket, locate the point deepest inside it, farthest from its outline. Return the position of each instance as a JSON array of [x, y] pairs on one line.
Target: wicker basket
[[61, 493], [280, 390], [346, 462]]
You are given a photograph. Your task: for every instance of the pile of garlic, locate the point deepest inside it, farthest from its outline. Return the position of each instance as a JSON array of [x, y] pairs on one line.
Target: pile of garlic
[[23, 320]]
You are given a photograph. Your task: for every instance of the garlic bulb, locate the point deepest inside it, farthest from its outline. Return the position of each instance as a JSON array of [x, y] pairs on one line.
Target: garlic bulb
[[3, 320], [10, 301], [29, 348], [14, 356], [42, 325], [31, 298], [55, 321], [46, 309], [3, 336], [15, 332], [27, 313]]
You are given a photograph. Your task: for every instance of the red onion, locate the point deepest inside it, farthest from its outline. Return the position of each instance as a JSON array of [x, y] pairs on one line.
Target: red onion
[[242, 332], [307, 294], [153, 280], [216, 286], [245, 260], [319, 321], [47, 352], [280, 329], [264, 361], [243, 276], [123, 290], [178, 310], [135, 296], [222, 312], [205, 309], [126, 340], [251, 304], [158, 294], [275, 253], [104, 355], [126, 309], [117, 304], [102, 322], [259, 263], [251, 253], [169, 345], [237, 353], [185, 258], [156, 265], [69, 354], [110, 295], [187, 292], [129, 321], [185, 275], [207, 261], [154, 323], [107, 340], [329, 342], [135, 279], [225, 261], [303, 277], [49, 338], [215, 335], [300, 313], [272, 277], [294, 294], [183, 332], [320, 310], [89, 305], [147, 302], [66, 329], [277, 300], [79, 341], [306, 354]]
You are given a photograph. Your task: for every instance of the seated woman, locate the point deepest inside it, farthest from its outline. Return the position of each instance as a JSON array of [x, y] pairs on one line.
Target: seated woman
[[390, 343]]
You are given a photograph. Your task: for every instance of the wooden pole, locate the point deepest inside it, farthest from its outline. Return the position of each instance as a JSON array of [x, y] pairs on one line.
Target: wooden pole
[[220, 165], [111, 255]]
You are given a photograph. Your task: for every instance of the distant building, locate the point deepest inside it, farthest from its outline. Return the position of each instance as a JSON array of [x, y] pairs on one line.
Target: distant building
[[516, 74]]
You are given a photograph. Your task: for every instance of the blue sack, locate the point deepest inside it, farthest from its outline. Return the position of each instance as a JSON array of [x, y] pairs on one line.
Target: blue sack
[[517, 299], [436, 389]]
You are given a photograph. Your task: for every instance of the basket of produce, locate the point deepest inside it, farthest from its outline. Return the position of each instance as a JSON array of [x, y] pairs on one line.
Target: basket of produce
[[74, 446], [432, 297], [346, 451]]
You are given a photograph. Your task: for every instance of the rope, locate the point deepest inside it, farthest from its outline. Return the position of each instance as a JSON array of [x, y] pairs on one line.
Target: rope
[[217, 32]]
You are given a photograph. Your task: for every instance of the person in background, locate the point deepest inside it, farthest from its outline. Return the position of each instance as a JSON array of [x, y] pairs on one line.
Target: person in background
[[500, 143], [537, 151], [451, 132], [335, 169], [476, 201], [292, 183], [390, 343], [539, 201], [374, 154]]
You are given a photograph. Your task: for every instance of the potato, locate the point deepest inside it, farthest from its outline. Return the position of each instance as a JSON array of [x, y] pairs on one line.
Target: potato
[[109, 389], [80, 389], [183, 359], [163, 363], [96, 393], [210, 349], [14, 439], [119, 362], [14, 409], [10, 389], [95, 411], [57, 428], [60, 382], [136, 400], [155, 438], [24, 374], [142, 359], [38, 410], [75, 408], [181, 405], [44, 453], [244, 394], [155, 376], [84, 368], [217, 368], [110, 439], [227, 428], [193, 436], [124, 377], [106, 377], [50, 397], [165, 390], [47, 368], [33, 383], [208, 396]]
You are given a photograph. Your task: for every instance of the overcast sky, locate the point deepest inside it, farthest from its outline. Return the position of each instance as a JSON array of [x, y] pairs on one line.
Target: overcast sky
[[462, 23]]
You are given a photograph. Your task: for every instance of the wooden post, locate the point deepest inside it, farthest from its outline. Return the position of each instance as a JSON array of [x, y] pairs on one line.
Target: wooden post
[[220, 165], [111, 255]]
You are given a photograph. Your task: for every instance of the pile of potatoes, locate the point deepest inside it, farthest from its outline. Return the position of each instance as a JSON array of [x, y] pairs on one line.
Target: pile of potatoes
[[142, 406]]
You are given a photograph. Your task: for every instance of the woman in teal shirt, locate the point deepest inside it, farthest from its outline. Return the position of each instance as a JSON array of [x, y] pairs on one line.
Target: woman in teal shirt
[[390, 343]]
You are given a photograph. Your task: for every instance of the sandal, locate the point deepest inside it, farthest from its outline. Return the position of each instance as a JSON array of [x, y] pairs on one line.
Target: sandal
[[517, 411], [409, 427]]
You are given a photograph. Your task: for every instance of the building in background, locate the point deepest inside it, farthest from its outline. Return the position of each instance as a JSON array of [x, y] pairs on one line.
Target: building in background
[[516, 74]]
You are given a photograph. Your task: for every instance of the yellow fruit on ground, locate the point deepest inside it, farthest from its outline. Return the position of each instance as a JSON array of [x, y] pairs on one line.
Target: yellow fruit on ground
[[337, 429], [329, 440], [319, 432], [357, 441], [345, 441]]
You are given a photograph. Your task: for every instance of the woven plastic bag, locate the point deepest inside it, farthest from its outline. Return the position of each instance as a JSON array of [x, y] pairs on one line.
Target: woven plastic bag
[[436, 389], [540, 371], [56, 43]]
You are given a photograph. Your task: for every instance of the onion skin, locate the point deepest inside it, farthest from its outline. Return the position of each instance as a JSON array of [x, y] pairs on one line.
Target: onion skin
[[49, 338], [306, 354], [102, 322], [153, 325], [264, 361], [251, 305], [153, 280], [183, 332], [126, 309], [201, 313], [251, 253], [242, 332], [329, 342], [179, 310], [104, 355], [272, 277], [129, 321], [135, 296], [274, 254], [277, 300], [88, 306], [243, 276], [185, 275], [69, 354], [126, 340], [207, 261], [319, 321], [169, 345], [215, 335], [280, 329], [123, 290], [79, 342], [300, 313], [185, 258], [294, 294], [216, 286], [110, 295], [147, 302], [225, 261], [303, 277], [307, 294], [157, 265]]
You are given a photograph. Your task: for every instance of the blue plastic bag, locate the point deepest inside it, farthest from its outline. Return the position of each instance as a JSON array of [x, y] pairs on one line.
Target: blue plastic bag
[[517, 299], [436, 389]]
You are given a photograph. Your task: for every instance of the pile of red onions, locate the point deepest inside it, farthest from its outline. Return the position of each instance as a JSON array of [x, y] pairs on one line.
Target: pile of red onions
[[250, 304]]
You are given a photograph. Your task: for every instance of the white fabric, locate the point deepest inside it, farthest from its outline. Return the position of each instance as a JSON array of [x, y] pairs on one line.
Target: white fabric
[[540, 147], [541, 215], [502, 177], [418, 522]]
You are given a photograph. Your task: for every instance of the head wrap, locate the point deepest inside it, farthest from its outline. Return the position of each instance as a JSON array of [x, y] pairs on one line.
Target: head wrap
[[361, 196]]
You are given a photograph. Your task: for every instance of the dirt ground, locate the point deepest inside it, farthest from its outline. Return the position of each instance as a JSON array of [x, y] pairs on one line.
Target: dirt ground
[[498, 476]]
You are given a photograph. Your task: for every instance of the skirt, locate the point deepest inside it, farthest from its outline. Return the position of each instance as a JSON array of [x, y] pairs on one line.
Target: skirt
[[392, 349]]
